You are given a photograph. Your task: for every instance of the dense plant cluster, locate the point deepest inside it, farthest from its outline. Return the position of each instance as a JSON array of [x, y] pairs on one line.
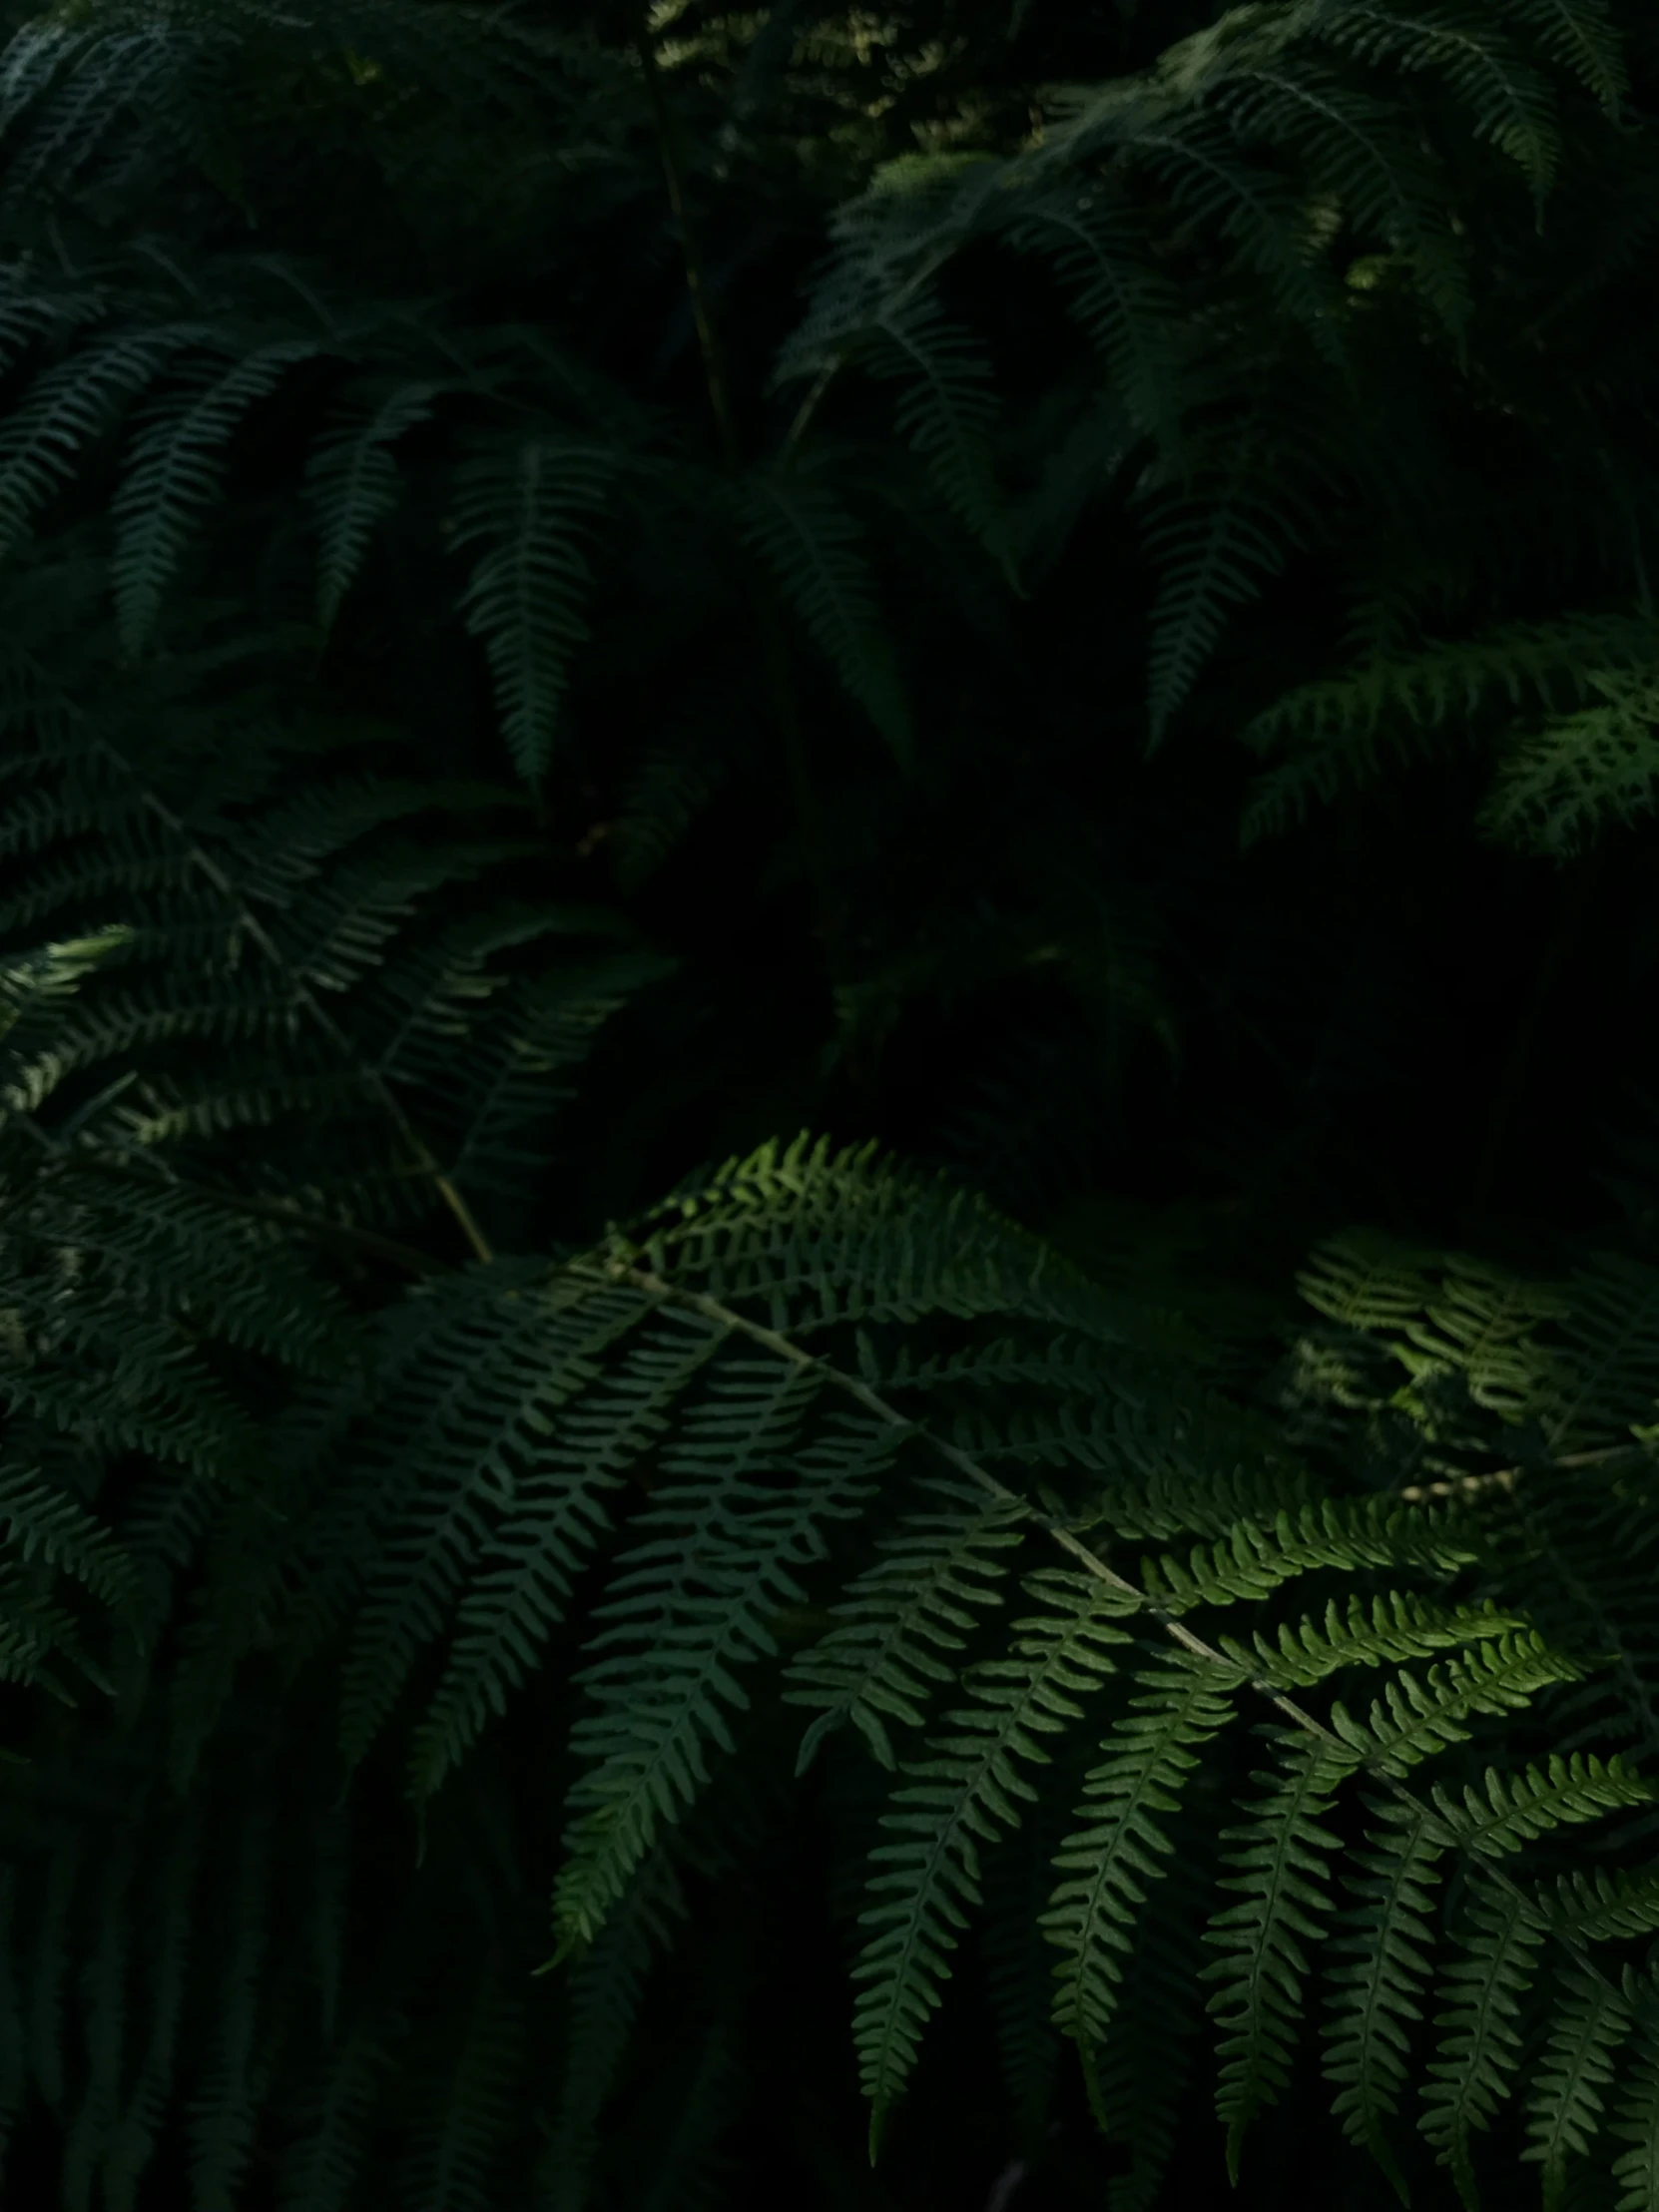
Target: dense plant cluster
[[1059, 597]]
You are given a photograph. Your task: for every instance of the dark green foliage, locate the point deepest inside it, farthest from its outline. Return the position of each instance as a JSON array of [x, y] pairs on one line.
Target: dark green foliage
[[581, 588]]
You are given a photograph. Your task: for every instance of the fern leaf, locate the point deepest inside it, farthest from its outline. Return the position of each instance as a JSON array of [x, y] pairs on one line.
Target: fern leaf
[[543, 1033], [692, 1602], [469, 2106], [1585, 770], [811, 542], [1335, 723], [1478, 2041], [1252, 1560], [170, 476], [1598, 1907], [1387, 1933], [518, 1591], [1511, 105], [1422, 1718], [1397, 1625], [1144, 2067], [920, 1598], [66, 407], [1590, 2022], [606, 1985], [1253, 206], [41, 1521], [1354, 148], [1520, 1806], [1610, 1369], [1017, 1973], [1582, 36], [353, 483], [1282, 1867], [958, 1798], [1214, 553], [946, 412], [529, 500], [1636, 2120], [1094, 240], [494, 1380], [323, 2164], [1095, 1909]]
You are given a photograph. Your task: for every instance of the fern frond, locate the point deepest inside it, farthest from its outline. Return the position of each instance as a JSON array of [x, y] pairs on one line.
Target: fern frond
[[1092, 236], [467, 2109], [674, 782], [1610, 1378], [41, 1521], [322, 2163], [1598, 1907], [854, 1238], [1018, 1978], [529, 500], [171, 474], [1142, 2071], [1636, 2120], [353, 483], [68, 406], [516, 1592], [1583, 38], [958, 1798], [606, 1983], [1357, 148], [1477, 2036], [1183, 1703], [1586, 771], [812, 543], [693, 1603], [1399, 1625], [1281, 1867], [1591, 2021], [462, 1442], [1521, 1807], [918, 1600], [1253, 1560], [1258, 209], [1216, 549], [1511, 105], [946, 411], [1415, 1720], [1335, 724], [1387, 1933]]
